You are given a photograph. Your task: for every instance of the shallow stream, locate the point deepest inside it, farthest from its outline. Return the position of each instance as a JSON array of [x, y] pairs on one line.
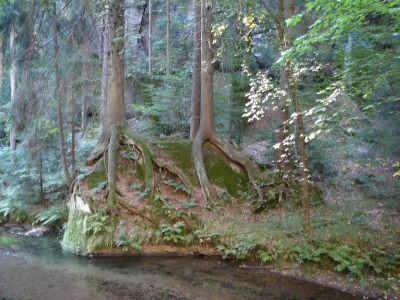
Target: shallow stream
[[36, 268]]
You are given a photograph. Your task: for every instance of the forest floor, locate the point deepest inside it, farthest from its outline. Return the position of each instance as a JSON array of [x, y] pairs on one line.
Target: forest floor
[[352, 242], [356, 242]]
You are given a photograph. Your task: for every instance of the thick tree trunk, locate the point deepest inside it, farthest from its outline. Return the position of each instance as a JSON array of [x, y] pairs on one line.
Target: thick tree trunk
[[112, 111], [206, 132], [113, 105], [206, 129], [115, 80], [196, 78], [56, 94], [207, 93]]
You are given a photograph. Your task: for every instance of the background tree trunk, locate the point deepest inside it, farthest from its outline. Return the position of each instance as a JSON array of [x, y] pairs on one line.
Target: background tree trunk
[[1, 64], [168, 37], [150, 39], [13, 84], [73, 163], [281, 152], [56, 94]]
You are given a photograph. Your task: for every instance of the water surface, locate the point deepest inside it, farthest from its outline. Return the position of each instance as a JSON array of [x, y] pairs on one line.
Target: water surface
[[36, 268]]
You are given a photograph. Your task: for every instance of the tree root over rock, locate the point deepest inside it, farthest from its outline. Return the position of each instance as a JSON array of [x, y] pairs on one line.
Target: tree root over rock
[[122, 136], [230, 152]]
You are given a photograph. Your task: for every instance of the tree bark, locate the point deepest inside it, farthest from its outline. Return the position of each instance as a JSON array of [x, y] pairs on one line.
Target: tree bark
[[206, 128], [73, 163], [302, 152], [112, 111], [41, 179], [168, 37], [206, 132], [196, 78], [103, 136], [115, 80], [289, 12], [56, 94], [13, 85], [281, 152], [150, 39], [1, 63]]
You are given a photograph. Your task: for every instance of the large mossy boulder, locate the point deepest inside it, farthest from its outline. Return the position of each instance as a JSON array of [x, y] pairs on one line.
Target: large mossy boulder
[[159, 205]]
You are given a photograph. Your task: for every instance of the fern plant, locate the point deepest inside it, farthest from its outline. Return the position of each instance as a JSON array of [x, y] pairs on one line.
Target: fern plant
[[51, 216]]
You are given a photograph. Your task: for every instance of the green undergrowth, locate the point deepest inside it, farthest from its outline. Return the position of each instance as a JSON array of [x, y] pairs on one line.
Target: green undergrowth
[[345, 241], [354, 236]]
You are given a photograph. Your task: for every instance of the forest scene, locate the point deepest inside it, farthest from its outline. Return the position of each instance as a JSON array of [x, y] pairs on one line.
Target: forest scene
[[266, 131]]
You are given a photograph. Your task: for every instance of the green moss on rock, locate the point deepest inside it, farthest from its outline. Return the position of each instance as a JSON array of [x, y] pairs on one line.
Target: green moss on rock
[[95, 178], [223, 172], [74, 239], [180, 152]]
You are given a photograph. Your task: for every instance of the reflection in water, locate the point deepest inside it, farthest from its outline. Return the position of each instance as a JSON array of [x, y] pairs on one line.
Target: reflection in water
[[36, 268]]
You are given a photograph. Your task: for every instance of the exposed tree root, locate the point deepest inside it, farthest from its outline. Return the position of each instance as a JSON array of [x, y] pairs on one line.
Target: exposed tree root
[[129, 138], [98, 151], [198, 159], [122, 135], [239, 158], [136, 212], [230, 152]]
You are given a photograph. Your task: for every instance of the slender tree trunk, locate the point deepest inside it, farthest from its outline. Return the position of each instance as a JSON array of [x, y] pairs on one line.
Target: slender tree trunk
[[196, 78], [13, 85], [150, 38], [289, 12], [302, 152], [41, 179], [239, 88], [73, 136], [83, 115], [56, 94], [281, 152], [1, 64], [168, 37], [104, 82], [289, 87], [347, 62], [83, 103]]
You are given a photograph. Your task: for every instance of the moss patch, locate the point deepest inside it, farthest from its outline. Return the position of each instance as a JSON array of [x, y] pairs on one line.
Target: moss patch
[[180, 152], [223, 172], [95, 178], [74, 238]]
